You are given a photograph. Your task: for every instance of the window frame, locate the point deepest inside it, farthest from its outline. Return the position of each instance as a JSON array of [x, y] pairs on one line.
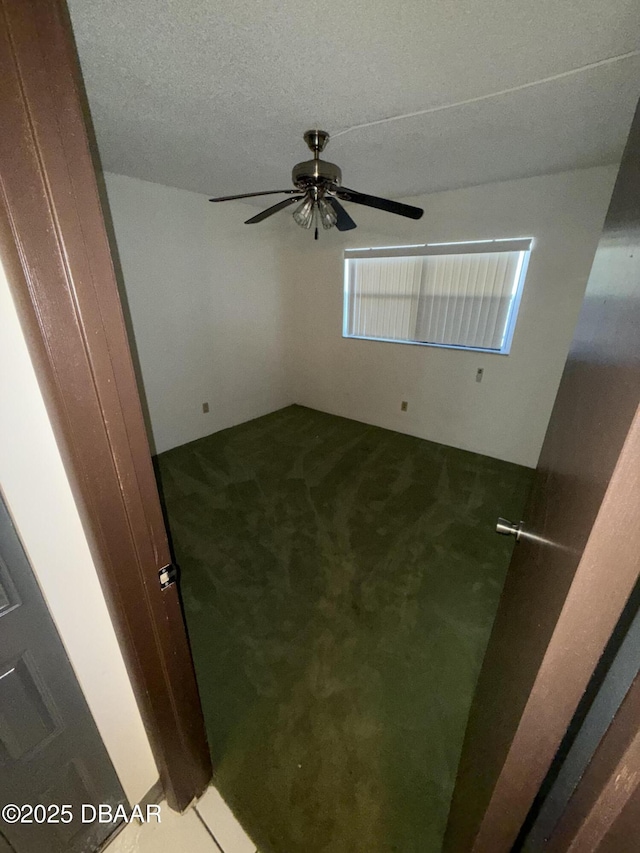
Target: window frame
[[524, 245]]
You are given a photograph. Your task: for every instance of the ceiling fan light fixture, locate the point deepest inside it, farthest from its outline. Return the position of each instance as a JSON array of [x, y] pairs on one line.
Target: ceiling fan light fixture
[[303, 214], [328, 216], [318, 186]]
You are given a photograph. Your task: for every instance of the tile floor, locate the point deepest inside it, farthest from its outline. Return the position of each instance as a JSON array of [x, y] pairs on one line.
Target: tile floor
[[208, 827]]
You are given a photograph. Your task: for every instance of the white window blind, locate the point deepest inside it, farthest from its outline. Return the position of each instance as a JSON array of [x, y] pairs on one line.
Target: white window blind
[[463, 295]]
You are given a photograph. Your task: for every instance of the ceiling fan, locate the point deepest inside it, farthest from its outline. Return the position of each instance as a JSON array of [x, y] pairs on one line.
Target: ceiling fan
[[318, 188]]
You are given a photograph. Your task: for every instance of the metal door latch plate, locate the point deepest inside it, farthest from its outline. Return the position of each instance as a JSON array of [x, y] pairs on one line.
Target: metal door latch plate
[[167, 576]]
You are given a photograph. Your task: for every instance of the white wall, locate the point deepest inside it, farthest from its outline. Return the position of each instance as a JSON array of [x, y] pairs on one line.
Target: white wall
[[506, 415], [208, 308], [37, 492], [249, 318]]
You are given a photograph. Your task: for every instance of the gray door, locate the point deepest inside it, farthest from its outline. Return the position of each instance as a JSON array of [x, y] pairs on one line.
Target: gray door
[[50, 750]]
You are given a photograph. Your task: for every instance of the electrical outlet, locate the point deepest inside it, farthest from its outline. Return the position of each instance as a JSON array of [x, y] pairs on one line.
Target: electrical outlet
[[205, 408], [404, 406], [479, 374]]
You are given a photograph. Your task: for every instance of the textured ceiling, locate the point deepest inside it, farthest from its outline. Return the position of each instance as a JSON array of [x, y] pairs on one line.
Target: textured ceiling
[[214, 96]]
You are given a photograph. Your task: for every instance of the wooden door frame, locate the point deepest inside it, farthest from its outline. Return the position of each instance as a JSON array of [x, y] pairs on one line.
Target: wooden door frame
[[58, 261], [606, 803]]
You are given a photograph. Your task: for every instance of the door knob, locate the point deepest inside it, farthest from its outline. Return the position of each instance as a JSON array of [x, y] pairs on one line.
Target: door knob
[[509, 528]]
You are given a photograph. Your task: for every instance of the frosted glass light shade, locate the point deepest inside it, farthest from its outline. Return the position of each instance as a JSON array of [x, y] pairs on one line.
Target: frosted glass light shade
[[328, 216], [303, 214]]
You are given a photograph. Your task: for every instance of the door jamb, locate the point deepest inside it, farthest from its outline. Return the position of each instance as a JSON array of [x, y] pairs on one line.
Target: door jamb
[[58, 262]]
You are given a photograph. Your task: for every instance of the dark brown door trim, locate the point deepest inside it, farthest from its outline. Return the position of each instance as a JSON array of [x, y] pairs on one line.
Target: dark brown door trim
[[604, 811], [57, 257]]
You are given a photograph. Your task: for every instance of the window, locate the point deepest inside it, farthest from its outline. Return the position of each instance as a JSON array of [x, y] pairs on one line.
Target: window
[[462, 295]]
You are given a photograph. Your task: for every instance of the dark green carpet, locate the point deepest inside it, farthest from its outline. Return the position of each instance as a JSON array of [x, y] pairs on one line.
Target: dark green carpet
[[340, 582]]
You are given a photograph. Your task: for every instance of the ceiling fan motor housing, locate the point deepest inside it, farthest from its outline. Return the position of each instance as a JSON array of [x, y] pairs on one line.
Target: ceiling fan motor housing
[[316, 173]]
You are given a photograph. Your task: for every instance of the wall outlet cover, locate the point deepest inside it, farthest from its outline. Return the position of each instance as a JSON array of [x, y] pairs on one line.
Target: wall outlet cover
[[205, 408], [404, 406]]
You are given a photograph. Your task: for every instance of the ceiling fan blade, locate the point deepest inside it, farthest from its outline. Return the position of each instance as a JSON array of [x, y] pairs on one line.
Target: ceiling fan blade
[[251, 195], [345, 222], [380, 203], [273, 209]]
